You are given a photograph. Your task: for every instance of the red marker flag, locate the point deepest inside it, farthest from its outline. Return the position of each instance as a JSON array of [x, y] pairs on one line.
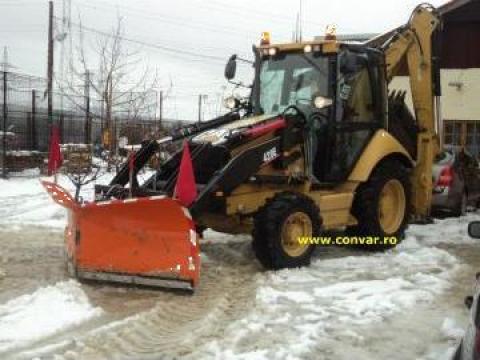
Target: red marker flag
[[55, 159], [186, 189]]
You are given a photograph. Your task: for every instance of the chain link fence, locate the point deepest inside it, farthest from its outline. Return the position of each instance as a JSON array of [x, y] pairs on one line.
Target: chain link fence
[[25, 126]]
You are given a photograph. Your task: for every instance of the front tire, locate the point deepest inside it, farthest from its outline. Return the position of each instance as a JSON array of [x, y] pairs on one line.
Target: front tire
[[277, 227], [382, 205]]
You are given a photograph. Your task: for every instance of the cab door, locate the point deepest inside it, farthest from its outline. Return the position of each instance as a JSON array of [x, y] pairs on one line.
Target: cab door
[[359, 111]]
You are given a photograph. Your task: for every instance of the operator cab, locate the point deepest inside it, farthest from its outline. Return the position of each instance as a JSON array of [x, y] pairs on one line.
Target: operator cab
[[338, 92], [337, 88]]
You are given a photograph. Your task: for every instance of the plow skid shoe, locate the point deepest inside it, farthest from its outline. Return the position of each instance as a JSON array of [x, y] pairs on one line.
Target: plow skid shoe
[[147, 241]]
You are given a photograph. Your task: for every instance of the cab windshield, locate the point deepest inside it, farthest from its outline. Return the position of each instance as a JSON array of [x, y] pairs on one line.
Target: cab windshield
[[292, 79]]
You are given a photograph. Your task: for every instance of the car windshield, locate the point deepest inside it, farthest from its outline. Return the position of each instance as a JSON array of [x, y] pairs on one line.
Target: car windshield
[[292, 79]]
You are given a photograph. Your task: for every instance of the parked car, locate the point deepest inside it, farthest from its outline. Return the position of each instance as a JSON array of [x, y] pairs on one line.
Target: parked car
[[469, 347], [456, 182]]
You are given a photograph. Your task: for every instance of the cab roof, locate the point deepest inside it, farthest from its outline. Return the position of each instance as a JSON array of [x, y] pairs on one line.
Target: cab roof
[[325, 46]]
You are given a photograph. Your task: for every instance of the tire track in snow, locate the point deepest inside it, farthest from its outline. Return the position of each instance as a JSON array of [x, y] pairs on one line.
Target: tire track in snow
[[178, 323], [239, 308], [31, 258]]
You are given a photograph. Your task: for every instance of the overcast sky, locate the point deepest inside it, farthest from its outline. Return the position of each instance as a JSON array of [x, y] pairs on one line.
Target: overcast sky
[[215, 28]]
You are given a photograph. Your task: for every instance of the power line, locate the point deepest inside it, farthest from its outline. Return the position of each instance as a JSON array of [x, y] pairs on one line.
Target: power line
[[187, 23], [21, 31], [155, 16], [172, 51], [269, 15], [20, 3], [168, 20], [256, 13]]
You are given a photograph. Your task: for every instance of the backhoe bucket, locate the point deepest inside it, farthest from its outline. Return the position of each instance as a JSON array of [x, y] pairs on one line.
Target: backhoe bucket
[[148, 241]]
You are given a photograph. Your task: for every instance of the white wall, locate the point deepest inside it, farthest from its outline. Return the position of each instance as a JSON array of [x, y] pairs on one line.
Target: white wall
[[461, 103]]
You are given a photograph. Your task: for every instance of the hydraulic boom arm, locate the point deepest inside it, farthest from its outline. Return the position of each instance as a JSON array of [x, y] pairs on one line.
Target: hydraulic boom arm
[[412, 45]]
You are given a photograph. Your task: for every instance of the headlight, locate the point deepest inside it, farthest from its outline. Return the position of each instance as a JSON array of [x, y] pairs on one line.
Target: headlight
[[272, 51], [321, 102], [231, 103]]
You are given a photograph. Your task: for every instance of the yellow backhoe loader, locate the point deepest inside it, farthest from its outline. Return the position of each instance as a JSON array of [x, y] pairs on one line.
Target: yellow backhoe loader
[[319, 145]]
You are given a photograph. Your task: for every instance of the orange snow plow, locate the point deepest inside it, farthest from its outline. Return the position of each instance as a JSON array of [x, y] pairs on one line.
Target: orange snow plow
[[120, 240]]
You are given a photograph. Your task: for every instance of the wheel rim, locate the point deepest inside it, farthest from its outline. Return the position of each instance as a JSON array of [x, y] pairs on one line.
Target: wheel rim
[[295, 226], [391, 207]]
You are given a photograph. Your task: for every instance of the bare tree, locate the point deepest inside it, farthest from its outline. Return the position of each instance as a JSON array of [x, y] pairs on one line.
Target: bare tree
[[120, 80], [81, 176]]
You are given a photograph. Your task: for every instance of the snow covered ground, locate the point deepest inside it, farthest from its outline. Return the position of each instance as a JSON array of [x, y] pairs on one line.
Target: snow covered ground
[[406, 303], [47, 311]]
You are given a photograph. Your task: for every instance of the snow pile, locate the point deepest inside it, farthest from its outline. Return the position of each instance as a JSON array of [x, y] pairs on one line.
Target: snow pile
[[452, 330], [20, 153], [25, 202], [297, 311], [19, 187], [47, 311], [6, 134], [445, 231], [213, 237], [451, 333]]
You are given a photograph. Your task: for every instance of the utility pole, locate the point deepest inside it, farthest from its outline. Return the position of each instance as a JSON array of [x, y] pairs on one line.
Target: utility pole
[[4, 134], [160, 115], [298, 34], [300, 22], [201, 99], [66, 33], [199, 108], [50, 64], [6, 66], [87, 109]]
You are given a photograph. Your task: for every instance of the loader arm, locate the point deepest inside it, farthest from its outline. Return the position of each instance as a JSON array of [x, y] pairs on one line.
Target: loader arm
[[412, 45], [150, 147]]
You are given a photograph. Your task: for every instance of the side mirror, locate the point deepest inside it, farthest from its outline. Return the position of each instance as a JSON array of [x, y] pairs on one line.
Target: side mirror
[[474, 229], [321, 102], [231, 68]]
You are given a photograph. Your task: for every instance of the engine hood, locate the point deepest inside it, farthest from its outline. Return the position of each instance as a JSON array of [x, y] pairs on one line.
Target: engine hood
[[221, 134]]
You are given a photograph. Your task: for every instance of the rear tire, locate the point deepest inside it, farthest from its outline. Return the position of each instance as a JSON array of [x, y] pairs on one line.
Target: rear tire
[[382, 205], [277, 226]]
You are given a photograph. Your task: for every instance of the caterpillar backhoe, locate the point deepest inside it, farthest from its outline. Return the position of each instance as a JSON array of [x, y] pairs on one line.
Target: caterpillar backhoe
[[318, 145]]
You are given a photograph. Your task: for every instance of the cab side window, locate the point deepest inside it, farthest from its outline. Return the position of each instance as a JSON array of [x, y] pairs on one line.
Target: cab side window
[[355, 90], [356, 119]]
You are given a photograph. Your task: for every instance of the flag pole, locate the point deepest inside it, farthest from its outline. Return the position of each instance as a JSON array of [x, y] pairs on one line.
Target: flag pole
[[130, 175]]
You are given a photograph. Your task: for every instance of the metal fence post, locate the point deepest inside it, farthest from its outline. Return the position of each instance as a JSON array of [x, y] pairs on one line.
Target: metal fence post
[[4, 137], [34, 119], [61, 127], [28, 131]]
